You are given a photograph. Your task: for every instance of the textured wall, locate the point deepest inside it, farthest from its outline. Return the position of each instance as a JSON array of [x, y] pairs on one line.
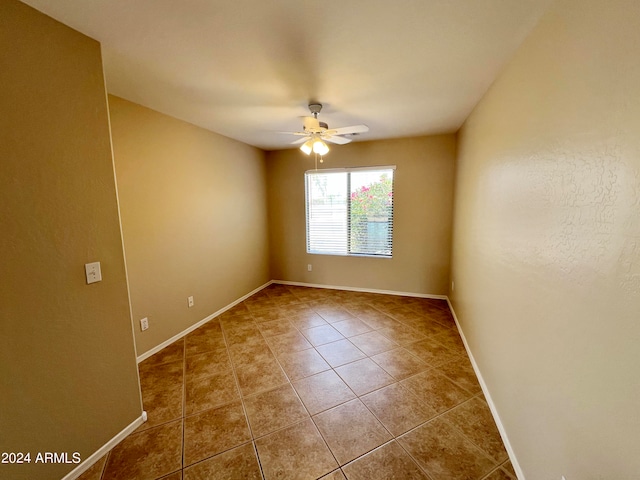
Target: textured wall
[[423, 202], [68, 376], [194, 219], [546, 251]]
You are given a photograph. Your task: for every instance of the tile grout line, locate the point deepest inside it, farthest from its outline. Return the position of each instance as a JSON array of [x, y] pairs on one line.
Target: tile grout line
[[244, 409]]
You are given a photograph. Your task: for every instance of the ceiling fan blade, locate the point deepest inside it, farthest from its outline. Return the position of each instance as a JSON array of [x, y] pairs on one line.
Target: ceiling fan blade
[[336, 139], [300, 140], [351, 129], [304, 134]]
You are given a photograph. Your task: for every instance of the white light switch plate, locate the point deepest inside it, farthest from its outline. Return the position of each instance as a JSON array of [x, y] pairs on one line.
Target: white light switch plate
[[93, 272]]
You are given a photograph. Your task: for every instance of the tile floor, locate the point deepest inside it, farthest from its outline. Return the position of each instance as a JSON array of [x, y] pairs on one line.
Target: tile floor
[[297, 383]]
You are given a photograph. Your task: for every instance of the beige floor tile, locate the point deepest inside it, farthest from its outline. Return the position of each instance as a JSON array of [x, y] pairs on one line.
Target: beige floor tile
[[288, 342], [351, 327], [384, 302], [321, 335], [275, 409], [333, 314], [295, 309], [287, 300], [444, 317], [262, 303], [276, 327], [268, 315], [378, 320], [372, 343], [397, 408], [385, 462], [259, 377], [461, 372], [95, 471], [207, 364], [148, 454], [322, 391], [427, 326], [404, 314], [160, 377], [239, 309], [296, 452], [498, 474], [401, 334], [210, 392], [350, 430], [508, 467], [251, 353], [438, 392], [237, 463], [198, 342], [163, 402], [444, 453], [340, 352], [169, 354], [431, 351], [451, 339], [308, 319], [214, 431], [335, 475], [173, 476], [400, 363], [473, 418], [364, 376], [302, 364], [359, 308], [242, 336]]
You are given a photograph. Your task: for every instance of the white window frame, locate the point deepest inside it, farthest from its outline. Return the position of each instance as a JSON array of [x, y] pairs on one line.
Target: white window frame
[[347, 221]]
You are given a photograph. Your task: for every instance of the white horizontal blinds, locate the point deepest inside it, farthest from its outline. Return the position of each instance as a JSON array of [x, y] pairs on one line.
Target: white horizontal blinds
[[350, 211], [327, 197], [371, 212]]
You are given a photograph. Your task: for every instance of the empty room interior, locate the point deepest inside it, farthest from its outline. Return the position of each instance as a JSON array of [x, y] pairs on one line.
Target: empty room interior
[[340, 240]]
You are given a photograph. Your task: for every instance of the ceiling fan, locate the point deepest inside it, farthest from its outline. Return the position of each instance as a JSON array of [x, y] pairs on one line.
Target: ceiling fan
[[315, 133]]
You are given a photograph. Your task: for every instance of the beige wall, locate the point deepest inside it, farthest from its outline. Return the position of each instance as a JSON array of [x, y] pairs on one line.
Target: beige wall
[[546, 256], [68, 377], [194, 219], [423, 196]]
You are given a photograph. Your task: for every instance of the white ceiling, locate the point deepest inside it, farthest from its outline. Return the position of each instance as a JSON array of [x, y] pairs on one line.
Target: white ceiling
[[248, 68]]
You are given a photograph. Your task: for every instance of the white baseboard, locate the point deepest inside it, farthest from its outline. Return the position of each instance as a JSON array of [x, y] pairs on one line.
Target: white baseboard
[[195, 326], [487, 396], [98, 454], [358, 289]]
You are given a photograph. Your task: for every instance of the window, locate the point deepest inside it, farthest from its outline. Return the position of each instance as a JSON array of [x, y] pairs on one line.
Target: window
[[350, 211]]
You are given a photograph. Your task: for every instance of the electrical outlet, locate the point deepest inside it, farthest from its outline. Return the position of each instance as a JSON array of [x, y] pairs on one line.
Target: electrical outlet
[[190, 302], [144, 323], [93, 272], [309, 268], [453, 286]]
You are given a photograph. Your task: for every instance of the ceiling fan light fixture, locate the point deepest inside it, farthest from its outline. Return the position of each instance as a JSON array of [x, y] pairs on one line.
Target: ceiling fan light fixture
[[307, 147], [320, 147]]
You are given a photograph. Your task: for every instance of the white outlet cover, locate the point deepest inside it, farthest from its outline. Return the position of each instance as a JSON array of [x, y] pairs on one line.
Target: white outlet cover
[[93, 272], [144, 323]]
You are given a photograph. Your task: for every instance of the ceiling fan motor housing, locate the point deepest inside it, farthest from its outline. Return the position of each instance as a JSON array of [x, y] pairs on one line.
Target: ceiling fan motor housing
[[321, 127], [315, 108]]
